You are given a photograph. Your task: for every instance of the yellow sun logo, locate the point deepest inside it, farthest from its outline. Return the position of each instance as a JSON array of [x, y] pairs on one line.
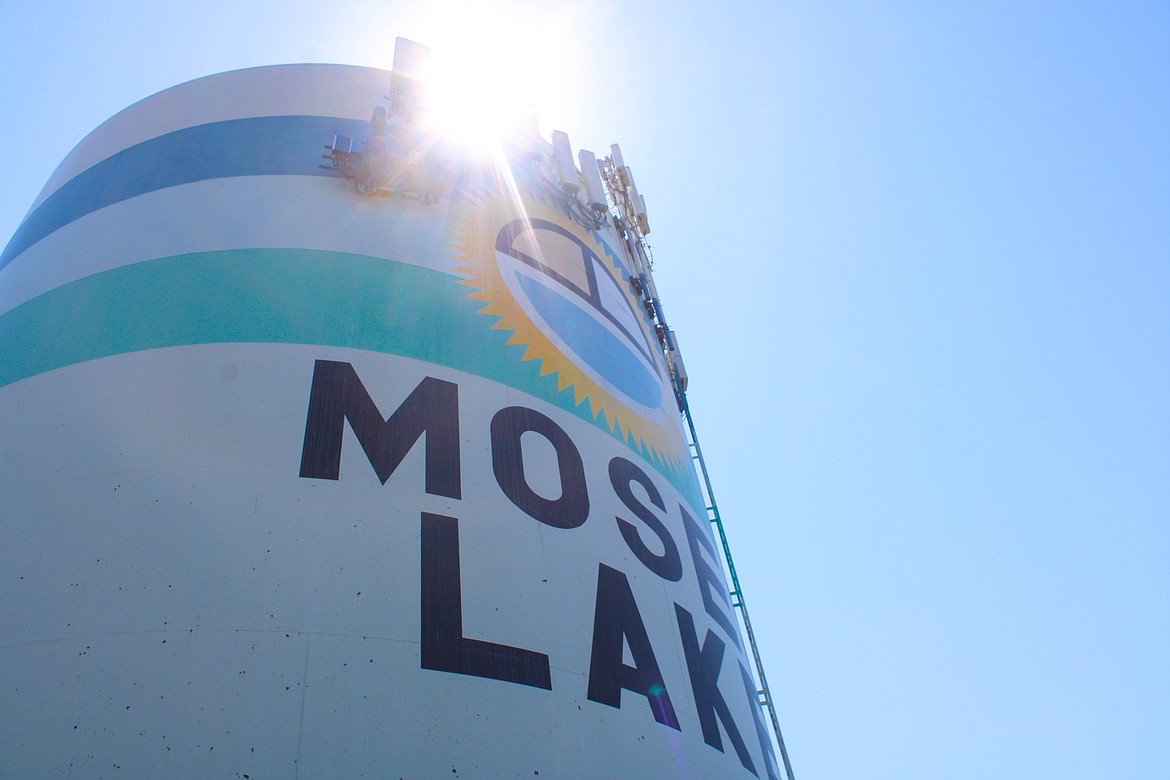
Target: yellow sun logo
[[566, 297]]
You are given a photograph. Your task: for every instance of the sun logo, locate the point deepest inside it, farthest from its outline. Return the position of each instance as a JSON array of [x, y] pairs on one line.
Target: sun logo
[[566, 296]]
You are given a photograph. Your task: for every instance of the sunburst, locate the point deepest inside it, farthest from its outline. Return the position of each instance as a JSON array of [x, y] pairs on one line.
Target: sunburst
[[477, 220]]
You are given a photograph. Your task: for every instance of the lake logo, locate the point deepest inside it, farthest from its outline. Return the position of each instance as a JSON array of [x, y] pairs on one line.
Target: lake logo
[[566, 296]]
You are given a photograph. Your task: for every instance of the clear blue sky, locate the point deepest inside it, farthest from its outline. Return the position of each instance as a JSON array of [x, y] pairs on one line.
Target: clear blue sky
[[918, 258]]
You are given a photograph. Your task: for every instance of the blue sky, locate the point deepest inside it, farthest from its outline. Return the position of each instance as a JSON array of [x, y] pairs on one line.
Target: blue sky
[[918, 258]]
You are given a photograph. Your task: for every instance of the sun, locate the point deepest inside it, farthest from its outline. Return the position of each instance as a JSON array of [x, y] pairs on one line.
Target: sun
[[484, 75], [476, 100], [495, 65]]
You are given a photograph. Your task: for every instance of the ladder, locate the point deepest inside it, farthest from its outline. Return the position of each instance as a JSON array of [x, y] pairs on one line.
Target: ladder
[[628, 212], [737, 600]]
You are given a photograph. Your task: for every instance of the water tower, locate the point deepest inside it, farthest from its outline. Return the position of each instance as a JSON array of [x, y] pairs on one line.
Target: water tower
[[334, 449]]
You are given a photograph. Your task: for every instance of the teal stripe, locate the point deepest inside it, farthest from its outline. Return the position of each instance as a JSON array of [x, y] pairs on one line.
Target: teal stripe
[[260, 295], [284, 296]]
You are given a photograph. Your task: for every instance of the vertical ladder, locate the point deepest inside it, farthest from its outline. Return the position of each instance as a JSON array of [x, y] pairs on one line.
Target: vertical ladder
[[737, 599], [625, 212]]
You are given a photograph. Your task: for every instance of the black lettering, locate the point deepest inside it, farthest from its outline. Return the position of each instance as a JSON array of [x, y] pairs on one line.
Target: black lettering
[[444, 648], [616, 620], [568, 511], [749, 686], [703, 665], [338, 395], [710, 583], [622, 473]]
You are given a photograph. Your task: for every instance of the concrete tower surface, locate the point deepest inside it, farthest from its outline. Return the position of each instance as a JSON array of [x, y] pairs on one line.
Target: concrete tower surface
[[363, 466]]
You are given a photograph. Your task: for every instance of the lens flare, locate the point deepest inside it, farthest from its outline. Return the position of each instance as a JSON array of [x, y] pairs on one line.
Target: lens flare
[[481, 87]]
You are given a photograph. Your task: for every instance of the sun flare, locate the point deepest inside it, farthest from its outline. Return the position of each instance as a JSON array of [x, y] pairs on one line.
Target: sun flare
[[482, 85]]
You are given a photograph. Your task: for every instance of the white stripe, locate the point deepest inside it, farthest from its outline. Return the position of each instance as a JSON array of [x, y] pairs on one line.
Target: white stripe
[[299, 212]]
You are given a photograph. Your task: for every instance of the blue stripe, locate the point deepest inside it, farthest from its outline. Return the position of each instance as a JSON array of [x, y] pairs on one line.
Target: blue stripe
[[238, 147], [601, 350]]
